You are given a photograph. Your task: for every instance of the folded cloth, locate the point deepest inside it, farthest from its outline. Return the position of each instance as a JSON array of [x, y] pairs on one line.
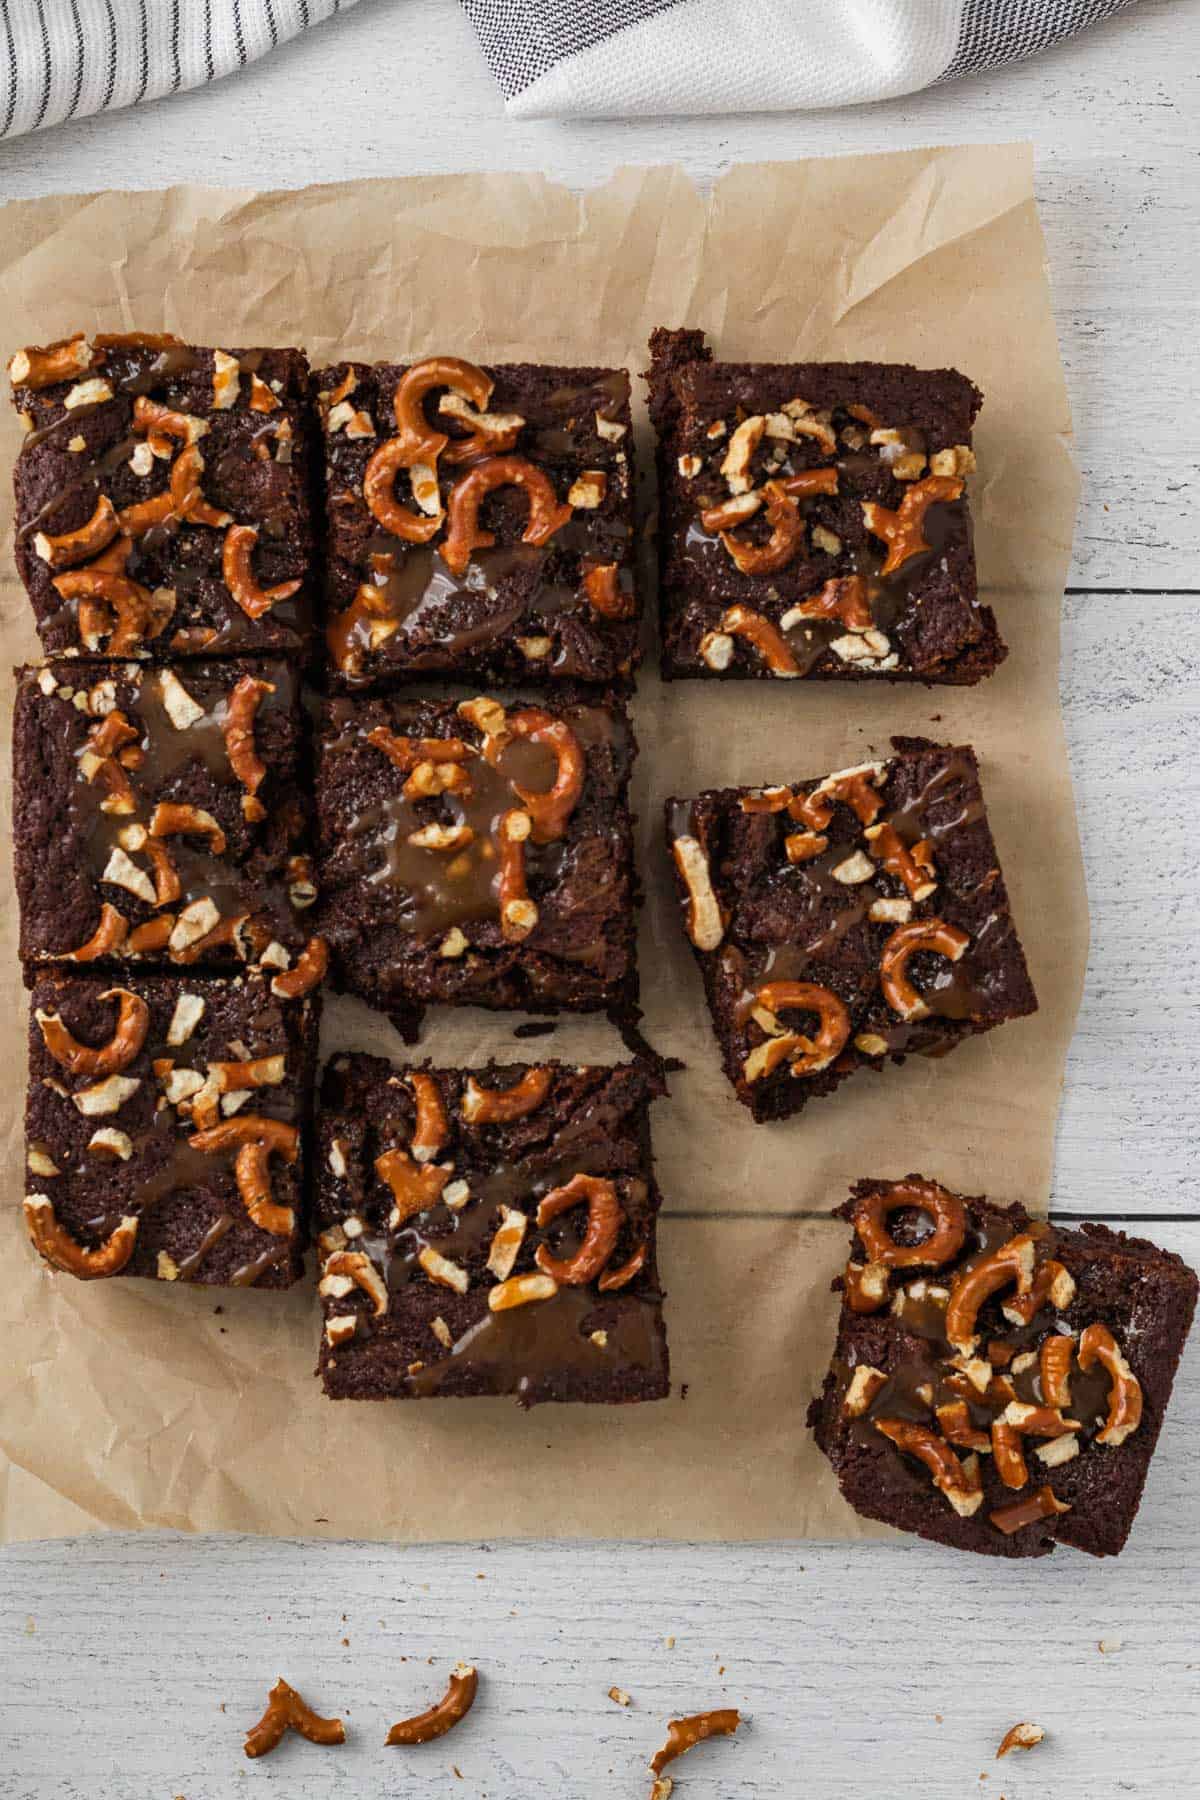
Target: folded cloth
[[617, 58], [63, 59]]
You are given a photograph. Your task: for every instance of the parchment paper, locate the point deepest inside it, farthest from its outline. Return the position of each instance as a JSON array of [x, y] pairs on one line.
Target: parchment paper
[[125, 1404]]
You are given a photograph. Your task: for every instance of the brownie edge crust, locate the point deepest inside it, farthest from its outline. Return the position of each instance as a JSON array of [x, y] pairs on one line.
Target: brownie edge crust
[[998, 1383]]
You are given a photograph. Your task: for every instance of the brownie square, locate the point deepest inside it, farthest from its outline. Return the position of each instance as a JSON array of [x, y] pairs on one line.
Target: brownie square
[[999, 1383], [480, 522], [843, 922], [163, 497], [165, 1128], [476, 854], [158, 815], [814, 521], [489, 1233]]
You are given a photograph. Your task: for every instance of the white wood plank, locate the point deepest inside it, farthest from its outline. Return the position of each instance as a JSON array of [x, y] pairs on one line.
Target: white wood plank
[[1130, 1113], [890, 1668]]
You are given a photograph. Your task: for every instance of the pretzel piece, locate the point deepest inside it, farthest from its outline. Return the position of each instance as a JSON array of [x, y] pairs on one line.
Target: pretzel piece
[[918, 935], [685, 1734], [107, 938], [463, 533], [518, 913], [500, 1106], [62, 1251], [944, 1209], [129, 1034], [1010, 1264], [105, 595], [448, 1712], [605, 1217], [808, 1055], [238, 575], [415, 1186], [85, 541], [237, 729], [307, 973], [256, 1139], [41, 365], [602, 590], [1097, 1344], [550, 809], [431, 1129], [902, 530], [287, 1711], [962, 1488], [762, 636]]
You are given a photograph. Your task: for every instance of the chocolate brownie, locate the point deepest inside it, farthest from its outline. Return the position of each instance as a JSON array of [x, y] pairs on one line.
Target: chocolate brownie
[[489, 1233], [163, 497], [999, 1384], [157, 814], [473, 855], [841, 922], [165, 1128], [480, 521], [814, 521]]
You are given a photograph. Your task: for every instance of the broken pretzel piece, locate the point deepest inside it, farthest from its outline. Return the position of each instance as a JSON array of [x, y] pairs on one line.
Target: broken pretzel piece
[[287, 1711], [442, 1717], [685, 1734], [1020, 1737]]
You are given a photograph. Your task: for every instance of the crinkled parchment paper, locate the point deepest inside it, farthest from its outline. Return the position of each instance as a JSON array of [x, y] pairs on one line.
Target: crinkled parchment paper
[[124, 1404]]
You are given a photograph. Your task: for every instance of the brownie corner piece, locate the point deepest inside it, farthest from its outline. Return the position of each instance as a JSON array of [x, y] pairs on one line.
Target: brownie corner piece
[[842, 923], [164, 497], [477, 854], [998, 1384], [814, 520], [165, 1127], [158, 815], [489, 1233], [480, 522]]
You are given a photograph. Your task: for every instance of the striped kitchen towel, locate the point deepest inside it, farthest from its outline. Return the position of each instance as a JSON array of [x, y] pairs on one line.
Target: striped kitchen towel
[[62, 59], [619, 58]]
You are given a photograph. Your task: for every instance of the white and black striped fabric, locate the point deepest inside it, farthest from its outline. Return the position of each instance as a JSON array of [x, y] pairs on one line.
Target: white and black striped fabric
[[63, 59], [621, 58]]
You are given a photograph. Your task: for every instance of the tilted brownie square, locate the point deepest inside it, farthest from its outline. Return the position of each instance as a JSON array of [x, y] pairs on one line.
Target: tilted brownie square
[[476, 854], [842, 922], [163, 497], [814, 521], [165, 1128], [480, 522], [999, 1384], [158, 816], [489, 1233]]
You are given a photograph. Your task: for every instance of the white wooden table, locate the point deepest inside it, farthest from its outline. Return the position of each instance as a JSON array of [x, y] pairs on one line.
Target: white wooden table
[[130, 1665]]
